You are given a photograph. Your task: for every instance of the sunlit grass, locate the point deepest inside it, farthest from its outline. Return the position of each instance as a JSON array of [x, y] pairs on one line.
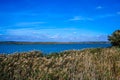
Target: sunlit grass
[[88, 64]]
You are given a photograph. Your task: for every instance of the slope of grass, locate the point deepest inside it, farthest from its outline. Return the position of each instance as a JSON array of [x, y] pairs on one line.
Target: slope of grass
[[88, 64]]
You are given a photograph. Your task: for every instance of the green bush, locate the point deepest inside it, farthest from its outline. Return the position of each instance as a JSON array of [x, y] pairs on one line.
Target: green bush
[[115, 38]]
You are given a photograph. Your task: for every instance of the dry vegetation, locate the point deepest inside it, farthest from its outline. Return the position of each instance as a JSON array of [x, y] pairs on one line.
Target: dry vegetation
[[88, 64]]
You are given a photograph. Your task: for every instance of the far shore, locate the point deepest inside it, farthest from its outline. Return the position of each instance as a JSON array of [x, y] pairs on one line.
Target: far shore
[[25, 42]]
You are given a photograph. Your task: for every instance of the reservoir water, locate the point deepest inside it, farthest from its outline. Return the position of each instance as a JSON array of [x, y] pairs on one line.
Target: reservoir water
[[45, 48]]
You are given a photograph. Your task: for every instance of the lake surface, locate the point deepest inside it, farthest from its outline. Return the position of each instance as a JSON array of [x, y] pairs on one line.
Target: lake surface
[[46, 48]]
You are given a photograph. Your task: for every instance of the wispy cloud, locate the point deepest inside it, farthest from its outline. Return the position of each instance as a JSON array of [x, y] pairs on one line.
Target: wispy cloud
[[53, 35], [22, 14], [118, 13], [76, 18], [80, 18], [29, 23], [99, 7], [104, 16], [92, 18], [1, 34]]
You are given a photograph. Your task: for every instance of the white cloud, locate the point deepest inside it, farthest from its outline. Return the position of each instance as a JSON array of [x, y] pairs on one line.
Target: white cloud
[[67, 34], [99, 7], [28, 23], [76, 18], [118, 13], [74, 32], [80, 18], [55, 36], [104, 16]]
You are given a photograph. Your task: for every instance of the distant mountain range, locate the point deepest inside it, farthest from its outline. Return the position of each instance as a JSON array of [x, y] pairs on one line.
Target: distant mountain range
[[19, 42]]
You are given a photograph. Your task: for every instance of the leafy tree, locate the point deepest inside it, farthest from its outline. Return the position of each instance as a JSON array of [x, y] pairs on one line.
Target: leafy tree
[[115, 38]]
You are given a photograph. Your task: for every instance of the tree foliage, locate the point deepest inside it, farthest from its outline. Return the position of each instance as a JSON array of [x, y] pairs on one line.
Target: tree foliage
[[115, 38]]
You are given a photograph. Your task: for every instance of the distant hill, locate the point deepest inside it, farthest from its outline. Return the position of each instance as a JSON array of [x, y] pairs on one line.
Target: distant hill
[[17, 42]]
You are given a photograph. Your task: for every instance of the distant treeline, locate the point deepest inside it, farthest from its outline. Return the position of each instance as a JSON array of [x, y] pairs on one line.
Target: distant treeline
[[17, 42]]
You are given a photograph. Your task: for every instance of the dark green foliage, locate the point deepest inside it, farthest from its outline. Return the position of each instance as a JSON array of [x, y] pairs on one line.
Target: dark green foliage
[[96, 50], [115, 38], [52, 55]]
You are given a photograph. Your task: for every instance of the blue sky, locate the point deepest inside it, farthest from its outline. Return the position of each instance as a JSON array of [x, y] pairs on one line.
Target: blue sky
[[58, 20]]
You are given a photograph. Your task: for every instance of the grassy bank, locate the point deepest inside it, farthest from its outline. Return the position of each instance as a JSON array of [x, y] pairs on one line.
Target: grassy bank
[[88, 64]]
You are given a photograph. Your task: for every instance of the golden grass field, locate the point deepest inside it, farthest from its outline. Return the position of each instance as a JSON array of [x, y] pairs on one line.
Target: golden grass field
[[87, 64]]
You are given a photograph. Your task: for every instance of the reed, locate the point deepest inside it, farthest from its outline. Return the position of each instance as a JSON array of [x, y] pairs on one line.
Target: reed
[[87, 64]]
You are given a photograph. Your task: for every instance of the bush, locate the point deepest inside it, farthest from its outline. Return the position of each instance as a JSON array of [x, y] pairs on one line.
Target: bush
[[115, 38]]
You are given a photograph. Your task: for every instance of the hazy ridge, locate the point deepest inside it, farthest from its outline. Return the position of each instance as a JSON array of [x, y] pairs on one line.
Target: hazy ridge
[[24, 42]]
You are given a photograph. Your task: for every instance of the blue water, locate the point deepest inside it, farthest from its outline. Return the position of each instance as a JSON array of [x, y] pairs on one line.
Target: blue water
[[45, 48]]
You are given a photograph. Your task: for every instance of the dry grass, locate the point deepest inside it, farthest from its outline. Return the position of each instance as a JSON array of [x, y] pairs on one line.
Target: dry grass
[[88, 64]]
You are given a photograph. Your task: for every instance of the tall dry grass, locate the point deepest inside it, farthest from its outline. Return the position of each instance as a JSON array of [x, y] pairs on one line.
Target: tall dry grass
[[88, 64]]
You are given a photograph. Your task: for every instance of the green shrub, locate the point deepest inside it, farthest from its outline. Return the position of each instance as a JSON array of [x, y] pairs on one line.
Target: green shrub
[[115, 38]]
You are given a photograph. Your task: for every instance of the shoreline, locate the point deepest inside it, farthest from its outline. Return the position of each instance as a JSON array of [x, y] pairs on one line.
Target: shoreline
[[19, 42]]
